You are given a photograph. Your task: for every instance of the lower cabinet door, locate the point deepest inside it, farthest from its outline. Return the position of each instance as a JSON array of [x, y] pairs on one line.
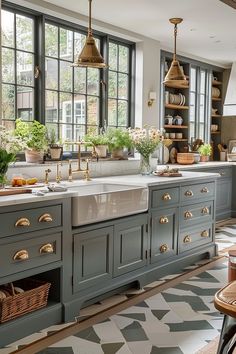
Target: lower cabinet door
[[92, 264], [164, 234], [130, 245], [223, 196]]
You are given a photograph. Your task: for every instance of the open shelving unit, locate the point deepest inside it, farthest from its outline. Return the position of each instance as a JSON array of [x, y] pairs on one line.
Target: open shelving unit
[[216, 115]]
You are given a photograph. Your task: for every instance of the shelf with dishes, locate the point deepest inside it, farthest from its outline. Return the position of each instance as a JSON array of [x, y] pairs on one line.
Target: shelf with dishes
[[177, 86], [217, 132], [216, 82], [216, 99], [176, 126], [216, 115], [175, 106]]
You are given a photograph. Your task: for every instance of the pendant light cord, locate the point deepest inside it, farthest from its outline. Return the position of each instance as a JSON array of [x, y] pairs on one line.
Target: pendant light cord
[[90, 19], [175, 37]]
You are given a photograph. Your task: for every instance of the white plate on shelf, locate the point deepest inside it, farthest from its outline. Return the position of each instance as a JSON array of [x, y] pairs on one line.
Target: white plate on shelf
[[166, 154]]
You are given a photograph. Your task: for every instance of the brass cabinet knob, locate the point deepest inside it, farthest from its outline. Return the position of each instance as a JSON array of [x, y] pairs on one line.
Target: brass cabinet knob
[[204, 190], [163, 220], [187, 239], [21, 255], [222, 173], [45, 218], [188, 215], [189, 193], [205, 210], [164, 248], [205, 233], [22, 222], [166, 197], [46, 249]]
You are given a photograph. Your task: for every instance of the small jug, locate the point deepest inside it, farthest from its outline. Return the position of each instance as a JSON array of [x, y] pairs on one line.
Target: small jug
[[178, 120], [168, 120]]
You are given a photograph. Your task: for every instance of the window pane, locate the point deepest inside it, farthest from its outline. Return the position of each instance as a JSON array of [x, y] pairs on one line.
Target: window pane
[[65, 76], [93, 81], [51, 40], [113, 53], [79, 40], [51, 73], [8, 102], [25, 68], [122, 113], [123, 58], [25, 99], [79, 108], [80, 80], [203, 81], [202, 108], [92, 130], [51, 111], [79, 132], [8, 67], [53, 127], [66, 133], [65, 115], [24, 33], [112, 112], [193, 74], [66, 44], [112, 91], [123, 86], [93, 111], [7, 24]]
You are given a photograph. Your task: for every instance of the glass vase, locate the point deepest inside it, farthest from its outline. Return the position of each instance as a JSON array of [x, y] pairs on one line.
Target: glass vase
[[145, 165]]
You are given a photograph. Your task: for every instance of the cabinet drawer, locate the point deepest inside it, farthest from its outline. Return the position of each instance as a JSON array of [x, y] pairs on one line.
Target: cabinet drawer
[[17, 256], [195, 237], [28, 220], [223, 172], [165, 197], [196, 192], [196, 213]]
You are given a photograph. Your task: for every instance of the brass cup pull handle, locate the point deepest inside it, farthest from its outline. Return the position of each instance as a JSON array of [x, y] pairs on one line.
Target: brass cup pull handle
[[166, 197], [204, 190], [21, 255], [187, 239], [22, 222], [188, 215], [189, 193], [46, 249], [164, 248], [163, 220], [46, 218], [205, 233], [205, 210]]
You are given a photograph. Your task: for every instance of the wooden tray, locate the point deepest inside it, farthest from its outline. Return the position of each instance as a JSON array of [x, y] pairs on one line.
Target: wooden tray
[[11, 191], [168, 174]]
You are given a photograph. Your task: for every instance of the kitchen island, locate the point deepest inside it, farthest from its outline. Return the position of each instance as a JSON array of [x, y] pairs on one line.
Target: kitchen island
[[86, 263]]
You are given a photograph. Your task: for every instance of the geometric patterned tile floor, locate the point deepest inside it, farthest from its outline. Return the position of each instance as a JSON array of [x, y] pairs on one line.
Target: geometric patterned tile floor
[[179, 320]]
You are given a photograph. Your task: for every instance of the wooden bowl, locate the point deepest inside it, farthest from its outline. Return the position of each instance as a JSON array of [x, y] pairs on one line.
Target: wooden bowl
[[185, 158]]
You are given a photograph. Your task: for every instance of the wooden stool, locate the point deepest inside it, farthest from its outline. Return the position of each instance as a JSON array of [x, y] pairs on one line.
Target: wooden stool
[[225, 302]]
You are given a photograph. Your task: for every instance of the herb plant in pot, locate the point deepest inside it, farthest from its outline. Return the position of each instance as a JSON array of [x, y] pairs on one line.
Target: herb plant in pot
[[34, 134], [118, 140], [205, 152], [55, 148], [100, 143]]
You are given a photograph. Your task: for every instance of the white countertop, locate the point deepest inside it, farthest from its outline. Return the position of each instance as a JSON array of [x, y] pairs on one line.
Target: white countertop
[[210, 164]]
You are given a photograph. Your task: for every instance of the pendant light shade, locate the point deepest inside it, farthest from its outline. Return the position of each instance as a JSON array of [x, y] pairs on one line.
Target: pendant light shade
[[175, 75], [90, 56]]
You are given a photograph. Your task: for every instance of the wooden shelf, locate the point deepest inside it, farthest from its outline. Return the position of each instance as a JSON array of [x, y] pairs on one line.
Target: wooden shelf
[[176, 126], [216, 83], [216, 115], [179, 139], [176, 86], [175, 106], [217, 132], [216, 98]]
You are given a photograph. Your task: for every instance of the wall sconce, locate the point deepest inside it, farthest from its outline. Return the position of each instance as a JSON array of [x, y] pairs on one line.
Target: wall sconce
[[152, 98]]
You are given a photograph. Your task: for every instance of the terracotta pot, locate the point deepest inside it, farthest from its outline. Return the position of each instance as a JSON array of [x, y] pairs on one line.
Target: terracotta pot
[[204, 158], [55, 152], [101, 150], [117, 153], [34, 156]]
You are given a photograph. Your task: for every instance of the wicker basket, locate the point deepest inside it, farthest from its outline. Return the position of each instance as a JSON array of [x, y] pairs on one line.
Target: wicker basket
[[185, 158], [34, 297]]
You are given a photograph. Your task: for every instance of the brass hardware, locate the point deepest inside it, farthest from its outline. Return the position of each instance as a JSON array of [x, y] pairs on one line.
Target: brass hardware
[[188, 193], [46, 249], [79, 169], [205, 233], [175, 74], [70, 172], [46, 180], [36, 72], [90, 56], [58, 175], [21, 255], [204, 190], [187, 239], [163, 220], [164, 248], [22, 222], [45, 218], [188, 215], [166, 197], [222, 173], [205, 210]]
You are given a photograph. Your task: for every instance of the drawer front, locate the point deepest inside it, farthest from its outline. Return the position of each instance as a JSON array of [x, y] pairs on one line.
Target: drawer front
[[18, 256], [223, 172], [165, 197], [195, 237], [196, 213], [29, 220], [196, 192]]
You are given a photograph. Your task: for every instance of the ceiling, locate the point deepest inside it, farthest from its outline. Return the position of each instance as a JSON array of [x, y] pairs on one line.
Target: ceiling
[[206, 32]]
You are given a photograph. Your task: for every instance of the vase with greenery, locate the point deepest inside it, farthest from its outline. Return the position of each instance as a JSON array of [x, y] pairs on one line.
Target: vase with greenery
[[205, 151], [34, 134], [55, 147], [99, 142], [118, 140]]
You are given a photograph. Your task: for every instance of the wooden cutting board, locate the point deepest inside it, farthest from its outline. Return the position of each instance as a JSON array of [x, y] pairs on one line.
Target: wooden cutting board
[[14, 191]]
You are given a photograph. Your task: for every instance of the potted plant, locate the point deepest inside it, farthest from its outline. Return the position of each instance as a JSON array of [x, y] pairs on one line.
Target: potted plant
[[118, 140], [205, 152], [100, 143], [55, 147], [34, 135]]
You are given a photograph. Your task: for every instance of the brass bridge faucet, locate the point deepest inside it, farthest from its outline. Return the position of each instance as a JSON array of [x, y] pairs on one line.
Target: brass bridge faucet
[[79, 169]]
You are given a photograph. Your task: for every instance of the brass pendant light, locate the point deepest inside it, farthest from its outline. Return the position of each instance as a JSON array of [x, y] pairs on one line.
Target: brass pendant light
[[175, 76], [90, 56]]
